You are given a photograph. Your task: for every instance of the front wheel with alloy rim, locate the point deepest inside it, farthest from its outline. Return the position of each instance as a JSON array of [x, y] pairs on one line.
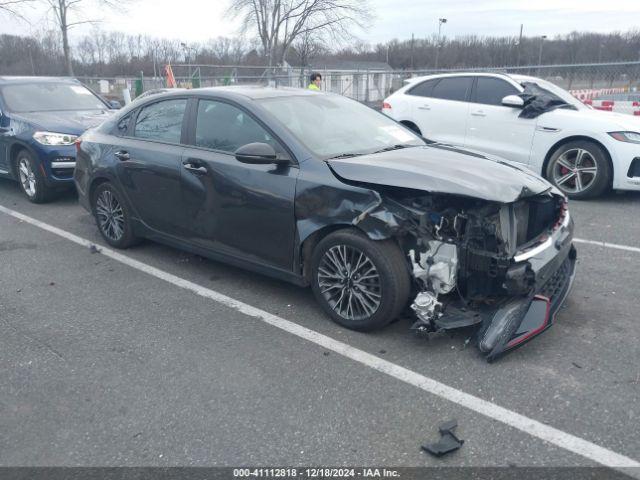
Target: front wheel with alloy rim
[[113, 216], [580, 169], [361, 283], [31, 180]]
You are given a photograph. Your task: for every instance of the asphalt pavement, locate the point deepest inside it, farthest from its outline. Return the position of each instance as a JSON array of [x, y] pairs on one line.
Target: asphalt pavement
[[103, 364]]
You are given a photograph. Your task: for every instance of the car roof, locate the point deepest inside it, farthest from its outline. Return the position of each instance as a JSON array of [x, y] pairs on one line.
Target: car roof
[[523, 78], [4, 80], [516, 78], [246, 91]]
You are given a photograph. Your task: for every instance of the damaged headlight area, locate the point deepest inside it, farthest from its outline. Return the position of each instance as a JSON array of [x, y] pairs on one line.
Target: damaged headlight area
[[503, 268]]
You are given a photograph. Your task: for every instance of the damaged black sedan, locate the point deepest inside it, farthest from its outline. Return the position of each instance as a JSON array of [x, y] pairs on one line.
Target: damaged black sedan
[[320, 190]]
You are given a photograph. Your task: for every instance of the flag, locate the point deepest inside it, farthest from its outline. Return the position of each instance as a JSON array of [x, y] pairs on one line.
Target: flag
[[171, 80]]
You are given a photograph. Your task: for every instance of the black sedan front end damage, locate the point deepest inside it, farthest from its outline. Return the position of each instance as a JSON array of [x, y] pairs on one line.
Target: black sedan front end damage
[[524, 316], [505, 268], [502, 261]]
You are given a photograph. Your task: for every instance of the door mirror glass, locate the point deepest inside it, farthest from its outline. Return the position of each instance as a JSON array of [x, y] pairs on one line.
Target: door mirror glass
[[114, 105], [257, 153], [513, 101]]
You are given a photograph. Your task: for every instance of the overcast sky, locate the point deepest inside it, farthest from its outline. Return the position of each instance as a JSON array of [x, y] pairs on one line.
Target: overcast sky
[[198, 20]]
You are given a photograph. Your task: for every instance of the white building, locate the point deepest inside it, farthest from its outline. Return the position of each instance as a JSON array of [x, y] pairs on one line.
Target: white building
[[361, 80]]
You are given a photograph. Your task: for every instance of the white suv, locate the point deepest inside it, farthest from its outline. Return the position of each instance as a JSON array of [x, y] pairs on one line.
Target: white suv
[[581, 150]]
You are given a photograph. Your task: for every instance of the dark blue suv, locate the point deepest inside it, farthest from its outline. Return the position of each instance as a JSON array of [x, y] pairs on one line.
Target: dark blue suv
[[40, 119]]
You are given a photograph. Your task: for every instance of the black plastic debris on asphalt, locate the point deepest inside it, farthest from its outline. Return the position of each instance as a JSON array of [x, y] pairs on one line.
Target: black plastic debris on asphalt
[[448, 442]]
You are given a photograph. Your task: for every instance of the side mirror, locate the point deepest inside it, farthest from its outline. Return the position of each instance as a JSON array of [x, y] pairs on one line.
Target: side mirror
[[114, 105], [513, 101], [258, 154]]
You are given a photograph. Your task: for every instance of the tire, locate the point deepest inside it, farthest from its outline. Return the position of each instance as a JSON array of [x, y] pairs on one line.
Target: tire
[[374, 301], [31, 180], [593, 175], [113, 216]]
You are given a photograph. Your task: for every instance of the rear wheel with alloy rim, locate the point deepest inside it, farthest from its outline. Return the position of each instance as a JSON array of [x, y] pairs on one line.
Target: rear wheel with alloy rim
[[362, 284], [31, 180], [580, 169], [112, 216]]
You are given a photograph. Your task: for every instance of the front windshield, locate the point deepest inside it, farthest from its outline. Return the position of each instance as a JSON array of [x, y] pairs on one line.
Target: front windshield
[[331, 125], [49, 97]]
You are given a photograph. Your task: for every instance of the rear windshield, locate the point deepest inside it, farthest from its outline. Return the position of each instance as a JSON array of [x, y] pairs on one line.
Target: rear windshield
[[48, 97]]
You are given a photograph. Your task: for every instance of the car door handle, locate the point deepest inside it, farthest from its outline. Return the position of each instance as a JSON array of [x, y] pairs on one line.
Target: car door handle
[[122, 155], [479, 113], [197, 169], [425, 107]]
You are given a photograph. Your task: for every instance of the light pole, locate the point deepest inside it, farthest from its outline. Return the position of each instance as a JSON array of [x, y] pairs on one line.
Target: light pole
[[519, 44], [600, 53], [187, 57], [440, 22], [542, 38]]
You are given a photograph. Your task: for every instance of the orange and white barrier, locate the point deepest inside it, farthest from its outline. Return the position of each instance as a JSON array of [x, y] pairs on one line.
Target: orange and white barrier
[[589, 97], [628, 107], [591, 93]]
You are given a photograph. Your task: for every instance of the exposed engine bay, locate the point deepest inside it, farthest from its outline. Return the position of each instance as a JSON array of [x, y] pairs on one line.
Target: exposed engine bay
[[476, 262]]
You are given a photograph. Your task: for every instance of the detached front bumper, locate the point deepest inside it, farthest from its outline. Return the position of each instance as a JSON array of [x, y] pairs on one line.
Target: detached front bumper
[[521, 318]]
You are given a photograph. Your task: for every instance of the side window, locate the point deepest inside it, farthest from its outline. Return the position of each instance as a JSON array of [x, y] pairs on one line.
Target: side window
[[221, 126], [452, 88], [423, 89], [122, 126], [161, 121], [491, 91]]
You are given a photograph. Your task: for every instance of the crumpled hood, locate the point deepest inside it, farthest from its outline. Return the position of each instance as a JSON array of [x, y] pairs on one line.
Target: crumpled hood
[[444, 169], [73, 122]]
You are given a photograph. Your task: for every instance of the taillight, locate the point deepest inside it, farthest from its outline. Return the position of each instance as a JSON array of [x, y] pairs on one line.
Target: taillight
[[386, 106]]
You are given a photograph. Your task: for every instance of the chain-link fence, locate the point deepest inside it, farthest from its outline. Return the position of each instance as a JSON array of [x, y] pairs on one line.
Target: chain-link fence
[[369, 86]]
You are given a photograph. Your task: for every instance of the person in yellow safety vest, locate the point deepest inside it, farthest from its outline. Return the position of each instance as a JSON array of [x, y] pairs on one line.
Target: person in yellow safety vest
[[316, 81]]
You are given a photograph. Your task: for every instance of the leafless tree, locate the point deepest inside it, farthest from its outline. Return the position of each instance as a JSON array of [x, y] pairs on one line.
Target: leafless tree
[[12, 7], [278, 23], [101, 53], [69, 13], [307, 47]]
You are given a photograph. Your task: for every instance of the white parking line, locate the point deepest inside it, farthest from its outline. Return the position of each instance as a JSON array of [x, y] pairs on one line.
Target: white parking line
[[528, 425], [615, 246]]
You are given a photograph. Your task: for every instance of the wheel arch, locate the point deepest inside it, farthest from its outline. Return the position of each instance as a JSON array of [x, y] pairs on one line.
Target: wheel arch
[[574, 138], [308, 245], [411, 125], [14, 149], [95, 183]]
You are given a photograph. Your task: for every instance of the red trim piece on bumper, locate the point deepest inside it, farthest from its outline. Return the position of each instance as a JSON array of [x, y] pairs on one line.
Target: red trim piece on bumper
[[543, 326]]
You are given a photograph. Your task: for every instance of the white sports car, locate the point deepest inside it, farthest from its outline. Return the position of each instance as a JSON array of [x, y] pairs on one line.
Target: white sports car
[[582, 151]]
